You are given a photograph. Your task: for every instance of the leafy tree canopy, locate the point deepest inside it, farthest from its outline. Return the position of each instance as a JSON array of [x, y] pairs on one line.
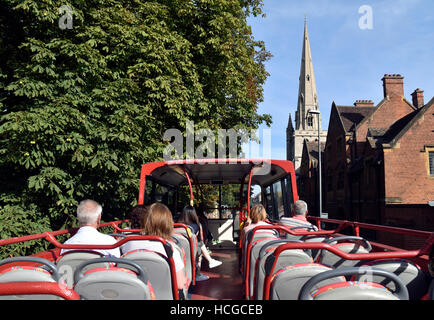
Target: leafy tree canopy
[[82, 108]]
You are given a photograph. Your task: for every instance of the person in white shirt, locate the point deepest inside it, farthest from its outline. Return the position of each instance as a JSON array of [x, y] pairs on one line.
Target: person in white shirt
[[89, 216]]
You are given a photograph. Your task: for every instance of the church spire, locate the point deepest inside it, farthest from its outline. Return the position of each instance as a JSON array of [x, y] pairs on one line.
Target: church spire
[[290, 127], [307, 95]]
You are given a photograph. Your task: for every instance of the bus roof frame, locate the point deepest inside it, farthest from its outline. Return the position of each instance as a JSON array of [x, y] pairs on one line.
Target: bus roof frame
[[183, 172]]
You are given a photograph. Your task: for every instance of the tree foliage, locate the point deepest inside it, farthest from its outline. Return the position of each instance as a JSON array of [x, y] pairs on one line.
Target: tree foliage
[[82, 109]]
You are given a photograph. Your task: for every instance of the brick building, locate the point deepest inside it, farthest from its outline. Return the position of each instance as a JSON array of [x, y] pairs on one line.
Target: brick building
[[308, 176], [337, 158], [379, 160]]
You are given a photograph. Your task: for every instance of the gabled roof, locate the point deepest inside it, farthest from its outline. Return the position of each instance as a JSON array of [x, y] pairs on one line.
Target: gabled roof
[[400, 127], [351, 115], [312, 149], [379, 105]]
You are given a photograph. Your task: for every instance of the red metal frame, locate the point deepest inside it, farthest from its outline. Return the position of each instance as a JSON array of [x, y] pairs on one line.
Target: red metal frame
[[190, 187], [248, 191], [50, 237], [148, 168], [38, 287], [349, 256], [382, 251], [50, 234], [280, 228]]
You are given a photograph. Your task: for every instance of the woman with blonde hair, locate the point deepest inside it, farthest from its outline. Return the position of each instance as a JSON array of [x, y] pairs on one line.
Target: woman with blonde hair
[[258, 217]]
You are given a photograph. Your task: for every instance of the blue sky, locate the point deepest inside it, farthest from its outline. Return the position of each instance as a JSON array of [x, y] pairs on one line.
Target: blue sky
[[349, 62]]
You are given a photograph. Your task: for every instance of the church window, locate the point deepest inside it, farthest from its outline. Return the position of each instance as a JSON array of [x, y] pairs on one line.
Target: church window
[[310, 121], [308, 78]]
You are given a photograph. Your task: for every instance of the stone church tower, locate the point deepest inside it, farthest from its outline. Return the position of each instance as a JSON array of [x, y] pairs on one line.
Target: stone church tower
[[306, 125]]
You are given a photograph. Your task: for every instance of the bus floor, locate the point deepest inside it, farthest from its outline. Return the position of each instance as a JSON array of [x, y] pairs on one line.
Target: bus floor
[[224, 281]]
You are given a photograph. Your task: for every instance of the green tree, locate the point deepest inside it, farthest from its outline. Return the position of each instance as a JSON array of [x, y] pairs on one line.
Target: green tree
[[82, 109]]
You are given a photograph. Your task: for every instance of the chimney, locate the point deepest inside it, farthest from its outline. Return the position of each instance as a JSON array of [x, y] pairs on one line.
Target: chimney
[[364, 103], [393, 85], [418, 98]]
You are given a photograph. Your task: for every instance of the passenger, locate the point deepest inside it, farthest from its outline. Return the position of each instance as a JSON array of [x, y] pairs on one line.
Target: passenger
[[189, 217], [207, 235], [299, 214], [258, 217], [89, 217], [158, 221], [138, 217]]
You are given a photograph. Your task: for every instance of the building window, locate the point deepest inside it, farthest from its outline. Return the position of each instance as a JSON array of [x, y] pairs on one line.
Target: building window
[[310, 121], [431, 163]]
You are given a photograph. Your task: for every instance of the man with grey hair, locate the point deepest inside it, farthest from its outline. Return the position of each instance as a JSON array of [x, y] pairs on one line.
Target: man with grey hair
[[299, 211], [89, 216]]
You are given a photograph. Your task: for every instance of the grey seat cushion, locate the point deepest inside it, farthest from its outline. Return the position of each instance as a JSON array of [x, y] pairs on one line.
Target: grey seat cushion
[[183, 246], [330, 259], [68, 263], [259, 235], [24, 274], [353, 291], [286, 259], [410, 274], [112, 284], [287, 282], [157, 268], [254, 256]]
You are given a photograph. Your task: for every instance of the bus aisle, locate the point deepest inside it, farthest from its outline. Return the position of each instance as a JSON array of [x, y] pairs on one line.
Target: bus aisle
[[224, 282]]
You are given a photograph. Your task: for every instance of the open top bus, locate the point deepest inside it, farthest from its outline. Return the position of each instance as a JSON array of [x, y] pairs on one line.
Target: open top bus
[[327, 259]]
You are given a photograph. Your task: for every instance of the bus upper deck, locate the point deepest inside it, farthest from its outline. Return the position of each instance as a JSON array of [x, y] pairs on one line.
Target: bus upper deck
[[282, 260]]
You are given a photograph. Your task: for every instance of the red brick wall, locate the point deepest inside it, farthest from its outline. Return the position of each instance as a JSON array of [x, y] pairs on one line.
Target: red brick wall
[[406, 165], [386, 114], [393, 85], [335, 199]]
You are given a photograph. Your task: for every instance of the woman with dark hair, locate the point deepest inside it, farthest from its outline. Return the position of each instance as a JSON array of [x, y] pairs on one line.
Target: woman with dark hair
[[137, 215], [189, 217], [207, 236]]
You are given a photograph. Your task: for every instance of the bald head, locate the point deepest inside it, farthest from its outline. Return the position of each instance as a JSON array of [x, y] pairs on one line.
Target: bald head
[[300, 208], [89, 213]]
